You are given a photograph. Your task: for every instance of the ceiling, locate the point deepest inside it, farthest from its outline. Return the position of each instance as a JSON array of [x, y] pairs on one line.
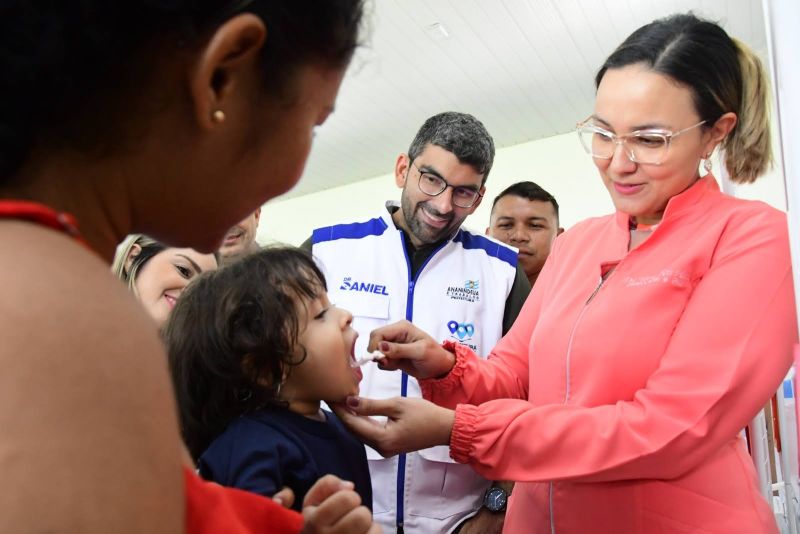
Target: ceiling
[[525, 68]]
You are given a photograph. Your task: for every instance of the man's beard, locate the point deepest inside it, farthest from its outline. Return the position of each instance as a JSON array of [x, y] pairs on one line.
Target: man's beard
[[424, 233]]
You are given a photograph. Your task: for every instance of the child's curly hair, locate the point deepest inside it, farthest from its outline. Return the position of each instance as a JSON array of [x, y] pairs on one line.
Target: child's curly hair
[[233, 337]]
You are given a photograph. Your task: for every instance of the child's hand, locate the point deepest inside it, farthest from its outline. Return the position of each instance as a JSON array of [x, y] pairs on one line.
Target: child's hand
[[332, 506], [285, 497]]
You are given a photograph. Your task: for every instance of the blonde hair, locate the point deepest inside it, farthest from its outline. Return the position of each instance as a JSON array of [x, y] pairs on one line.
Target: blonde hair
[[149, 248], [748, 148]]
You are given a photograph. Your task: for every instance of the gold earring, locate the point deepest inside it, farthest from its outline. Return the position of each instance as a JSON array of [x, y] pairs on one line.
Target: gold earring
[[218, 116]]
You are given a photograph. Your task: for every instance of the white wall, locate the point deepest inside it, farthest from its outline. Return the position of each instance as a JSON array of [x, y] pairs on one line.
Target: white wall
[[557, 163]]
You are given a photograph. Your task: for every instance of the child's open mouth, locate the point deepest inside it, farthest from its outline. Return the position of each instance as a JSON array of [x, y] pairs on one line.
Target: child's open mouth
[[354, 366]]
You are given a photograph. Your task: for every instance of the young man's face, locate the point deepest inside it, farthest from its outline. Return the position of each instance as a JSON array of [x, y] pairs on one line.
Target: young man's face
[[529, 225], [426, 218]]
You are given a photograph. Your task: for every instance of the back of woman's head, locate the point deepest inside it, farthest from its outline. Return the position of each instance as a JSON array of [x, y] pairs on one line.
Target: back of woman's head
[[72, 69], [723, 74], [232, 338]]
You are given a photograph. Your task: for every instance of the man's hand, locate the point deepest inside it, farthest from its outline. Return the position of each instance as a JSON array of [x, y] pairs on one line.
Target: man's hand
[[411, 424], [484, 522]]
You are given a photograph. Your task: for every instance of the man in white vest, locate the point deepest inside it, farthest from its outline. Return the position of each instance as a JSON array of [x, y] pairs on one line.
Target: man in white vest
[[414, 261]]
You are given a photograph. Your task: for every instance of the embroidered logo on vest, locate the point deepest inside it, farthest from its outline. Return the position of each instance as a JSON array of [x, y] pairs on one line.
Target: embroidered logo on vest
[[467, 292], [462, 332], [348, 284]]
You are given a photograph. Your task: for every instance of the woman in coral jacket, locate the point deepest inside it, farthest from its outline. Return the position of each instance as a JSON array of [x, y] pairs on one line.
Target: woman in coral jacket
[[652, 336]]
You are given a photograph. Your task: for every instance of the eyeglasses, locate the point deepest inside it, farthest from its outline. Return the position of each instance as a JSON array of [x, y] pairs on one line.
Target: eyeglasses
[[434, 185], [642, 146]]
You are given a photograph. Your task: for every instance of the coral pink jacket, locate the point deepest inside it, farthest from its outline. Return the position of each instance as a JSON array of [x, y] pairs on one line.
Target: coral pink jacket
[[620, 404]]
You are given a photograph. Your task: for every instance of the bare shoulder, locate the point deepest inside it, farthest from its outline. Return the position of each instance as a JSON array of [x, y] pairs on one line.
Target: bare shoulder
[[90, 440]]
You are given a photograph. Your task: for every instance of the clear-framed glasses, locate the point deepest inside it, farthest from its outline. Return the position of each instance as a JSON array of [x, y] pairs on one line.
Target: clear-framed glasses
[[434, 185], [642, 146]]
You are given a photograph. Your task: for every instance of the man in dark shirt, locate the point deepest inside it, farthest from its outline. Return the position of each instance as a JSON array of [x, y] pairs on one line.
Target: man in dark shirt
[[525, 216]]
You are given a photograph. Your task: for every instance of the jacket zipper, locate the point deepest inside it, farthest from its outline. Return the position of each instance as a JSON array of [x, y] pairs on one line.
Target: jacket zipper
[[569, 355], [401, 459]]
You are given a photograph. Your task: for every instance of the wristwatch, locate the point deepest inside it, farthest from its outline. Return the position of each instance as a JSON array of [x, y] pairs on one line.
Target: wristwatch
[[495, 499]]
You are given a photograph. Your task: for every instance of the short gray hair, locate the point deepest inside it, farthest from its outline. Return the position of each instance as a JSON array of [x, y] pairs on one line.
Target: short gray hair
[[459, 133]]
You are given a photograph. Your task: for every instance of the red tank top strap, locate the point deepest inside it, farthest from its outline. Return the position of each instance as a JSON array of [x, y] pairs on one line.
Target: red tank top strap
[[211, 509], [43, 215]]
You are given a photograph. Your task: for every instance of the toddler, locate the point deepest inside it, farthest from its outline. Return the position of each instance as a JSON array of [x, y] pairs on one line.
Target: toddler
[[253, 349]]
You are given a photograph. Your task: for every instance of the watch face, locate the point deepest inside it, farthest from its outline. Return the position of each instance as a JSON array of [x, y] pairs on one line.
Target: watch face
[[495, 499]]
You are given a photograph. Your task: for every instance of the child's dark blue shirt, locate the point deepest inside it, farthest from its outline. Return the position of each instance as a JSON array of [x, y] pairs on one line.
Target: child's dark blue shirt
[[266, 450]]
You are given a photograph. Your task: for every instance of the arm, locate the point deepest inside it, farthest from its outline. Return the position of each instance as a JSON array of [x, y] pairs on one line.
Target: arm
[[726, 357], [504, 373], [88, 420], [414, 424], [486, 521], [460, 376]]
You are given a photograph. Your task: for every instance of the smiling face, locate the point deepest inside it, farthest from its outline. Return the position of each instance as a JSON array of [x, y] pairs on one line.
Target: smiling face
[[160, 282], [430, 219], [328, 372], [241, 238], [636, 98], [529, 225]]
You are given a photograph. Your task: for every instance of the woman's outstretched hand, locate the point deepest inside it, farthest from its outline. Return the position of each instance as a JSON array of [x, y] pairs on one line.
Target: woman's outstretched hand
[[410, 349], [411, 424]]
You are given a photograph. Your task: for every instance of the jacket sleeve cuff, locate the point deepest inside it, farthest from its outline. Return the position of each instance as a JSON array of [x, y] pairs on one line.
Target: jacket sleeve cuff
[[452, 379], [463, 432]]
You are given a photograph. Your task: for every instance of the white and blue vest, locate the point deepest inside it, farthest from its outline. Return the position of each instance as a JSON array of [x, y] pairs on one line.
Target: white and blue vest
[[459, 294]]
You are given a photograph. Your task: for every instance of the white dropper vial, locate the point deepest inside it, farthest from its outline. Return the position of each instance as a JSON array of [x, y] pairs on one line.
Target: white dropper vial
[[375, 356]]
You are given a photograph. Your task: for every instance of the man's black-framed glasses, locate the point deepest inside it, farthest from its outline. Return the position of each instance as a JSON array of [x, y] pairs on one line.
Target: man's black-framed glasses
[[434, 185]]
